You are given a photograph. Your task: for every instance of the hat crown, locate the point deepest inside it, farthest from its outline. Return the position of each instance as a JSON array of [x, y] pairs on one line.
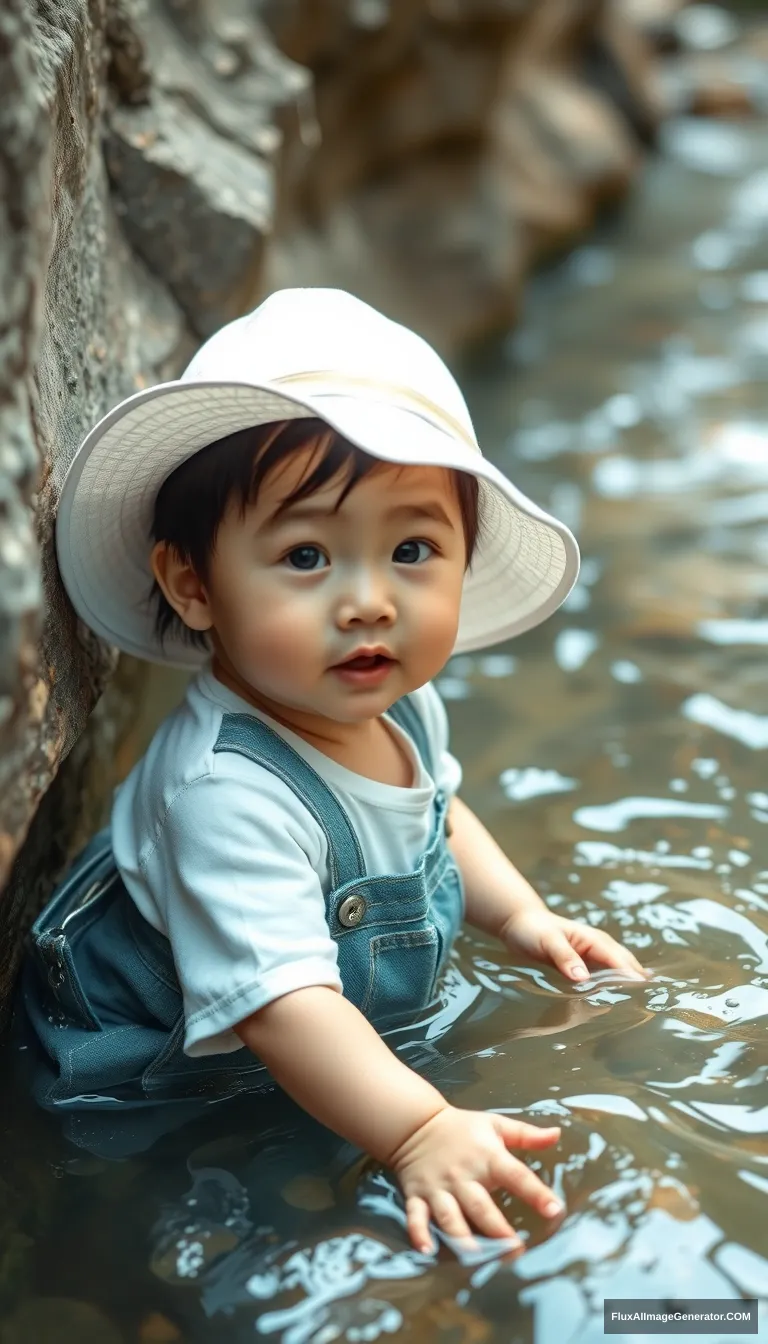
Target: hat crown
[[336, 340]]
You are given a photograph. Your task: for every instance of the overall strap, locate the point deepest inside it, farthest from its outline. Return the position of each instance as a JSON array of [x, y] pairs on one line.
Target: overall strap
[[407, 717], [248, 736]]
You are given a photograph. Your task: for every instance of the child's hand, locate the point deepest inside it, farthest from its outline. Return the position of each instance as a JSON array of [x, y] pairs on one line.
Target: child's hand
[[566, 944], [448, 1166]]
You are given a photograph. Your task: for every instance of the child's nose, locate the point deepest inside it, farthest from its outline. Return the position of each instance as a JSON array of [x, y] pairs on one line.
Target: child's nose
[[367, 600]]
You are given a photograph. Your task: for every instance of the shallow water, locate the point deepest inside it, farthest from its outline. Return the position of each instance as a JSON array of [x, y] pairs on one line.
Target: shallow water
[[618, 753]]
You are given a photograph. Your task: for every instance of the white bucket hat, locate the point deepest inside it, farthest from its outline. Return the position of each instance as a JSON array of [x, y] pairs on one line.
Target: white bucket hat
[[303, 352]]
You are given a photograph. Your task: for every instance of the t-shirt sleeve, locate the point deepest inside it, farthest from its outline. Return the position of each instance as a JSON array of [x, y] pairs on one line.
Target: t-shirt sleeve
[[448, 772], [234, 870]]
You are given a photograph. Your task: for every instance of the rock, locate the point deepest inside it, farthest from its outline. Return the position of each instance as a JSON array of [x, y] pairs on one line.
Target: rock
[[157, 1329], [714, 84], [58, 1320], [622, 65], [309, 1192], [70, 290], [526, 115], [719, 95], [587, 140], [193, 167], [655, 20], [437, 248], [196, 208]]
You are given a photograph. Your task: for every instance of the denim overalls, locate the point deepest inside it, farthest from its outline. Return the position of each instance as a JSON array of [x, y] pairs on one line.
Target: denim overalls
[[101, 1006]]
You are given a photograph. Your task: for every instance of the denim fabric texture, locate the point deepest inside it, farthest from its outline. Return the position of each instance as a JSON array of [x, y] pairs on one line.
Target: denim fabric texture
[[100, 1006]]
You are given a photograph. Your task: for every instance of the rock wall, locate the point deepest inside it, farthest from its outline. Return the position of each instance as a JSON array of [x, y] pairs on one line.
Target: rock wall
[[460, 140], [135, 198], [162, 165]]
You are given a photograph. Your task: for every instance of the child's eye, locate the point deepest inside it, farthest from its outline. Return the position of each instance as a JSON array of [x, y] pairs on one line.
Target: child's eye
[[306, 557], [412, 552]]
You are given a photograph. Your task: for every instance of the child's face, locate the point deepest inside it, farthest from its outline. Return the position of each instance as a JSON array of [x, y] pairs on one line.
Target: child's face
[[290, 598]]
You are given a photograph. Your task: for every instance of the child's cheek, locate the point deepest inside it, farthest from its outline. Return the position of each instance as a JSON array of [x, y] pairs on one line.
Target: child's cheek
[[440, 619], [282, 638]]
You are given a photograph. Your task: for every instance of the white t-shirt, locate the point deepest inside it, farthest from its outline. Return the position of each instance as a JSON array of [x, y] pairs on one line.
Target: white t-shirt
[[222, 857]]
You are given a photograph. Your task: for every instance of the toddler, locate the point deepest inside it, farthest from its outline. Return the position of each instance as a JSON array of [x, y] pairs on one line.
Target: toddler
[[306, 520]]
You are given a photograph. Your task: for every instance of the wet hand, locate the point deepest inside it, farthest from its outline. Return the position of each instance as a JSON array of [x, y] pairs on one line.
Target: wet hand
[[448, 1167], [572, 947]]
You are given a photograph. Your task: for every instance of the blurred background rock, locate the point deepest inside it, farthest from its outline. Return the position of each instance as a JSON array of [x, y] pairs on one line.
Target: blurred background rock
[[166, 163]]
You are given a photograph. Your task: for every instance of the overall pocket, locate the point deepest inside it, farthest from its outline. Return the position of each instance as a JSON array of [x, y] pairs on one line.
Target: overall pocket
[[174, 1075], [403, 969]]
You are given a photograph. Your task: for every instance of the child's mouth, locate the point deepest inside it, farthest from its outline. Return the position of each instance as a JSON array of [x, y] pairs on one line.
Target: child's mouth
[[365, 661], [365, 669]]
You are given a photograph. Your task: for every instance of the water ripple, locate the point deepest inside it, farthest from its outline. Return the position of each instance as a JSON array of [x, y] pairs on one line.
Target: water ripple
[[602, 854], [713, 915], [734, 632], [617, 816], [740, 724], [532, 782]]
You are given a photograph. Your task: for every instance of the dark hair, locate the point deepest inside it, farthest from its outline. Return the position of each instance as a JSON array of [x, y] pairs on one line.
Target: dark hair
[[192, 501]]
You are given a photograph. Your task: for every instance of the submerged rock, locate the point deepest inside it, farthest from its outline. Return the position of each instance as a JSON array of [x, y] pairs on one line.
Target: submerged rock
[[49, 1320]]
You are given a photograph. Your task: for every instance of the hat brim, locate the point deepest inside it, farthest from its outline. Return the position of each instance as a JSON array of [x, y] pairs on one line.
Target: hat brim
[[525, 564]]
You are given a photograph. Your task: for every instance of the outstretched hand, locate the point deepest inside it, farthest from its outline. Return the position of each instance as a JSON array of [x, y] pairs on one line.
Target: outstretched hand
[[571, 947], [450, 1165]]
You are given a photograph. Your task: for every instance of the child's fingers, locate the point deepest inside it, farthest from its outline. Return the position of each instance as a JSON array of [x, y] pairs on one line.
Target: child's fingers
[[417, 1218], [447, 1213], [558, 949], [630, 962], [481, 1211], [609, 953], [518, 1134], [519, 1180]]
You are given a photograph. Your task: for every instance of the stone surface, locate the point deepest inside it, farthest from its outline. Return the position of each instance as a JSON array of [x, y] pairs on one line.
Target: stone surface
[[655, 19], [51, 1320], [192, 159], [163, 163], [457, 144], [157, 1329], [97, 298]]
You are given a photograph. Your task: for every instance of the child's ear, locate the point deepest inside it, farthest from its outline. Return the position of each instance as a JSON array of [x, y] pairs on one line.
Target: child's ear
[[180, 586]]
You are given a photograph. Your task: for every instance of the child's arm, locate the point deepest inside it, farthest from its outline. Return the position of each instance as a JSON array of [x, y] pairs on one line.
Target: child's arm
[[500, 902], [328, 1057]]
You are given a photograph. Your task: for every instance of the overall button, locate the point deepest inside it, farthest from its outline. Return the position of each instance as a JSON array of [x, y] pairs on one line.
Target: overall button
[[351, 910]]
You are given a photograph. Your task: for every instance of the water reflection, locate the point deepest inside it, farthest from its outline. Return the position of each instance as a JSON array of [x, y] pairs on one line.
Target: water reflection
[[617, 753]]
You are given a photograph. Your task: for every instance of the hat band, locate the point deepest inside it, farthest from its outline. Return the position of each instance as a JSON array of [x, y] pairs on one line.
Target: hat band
[[410, 400]]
